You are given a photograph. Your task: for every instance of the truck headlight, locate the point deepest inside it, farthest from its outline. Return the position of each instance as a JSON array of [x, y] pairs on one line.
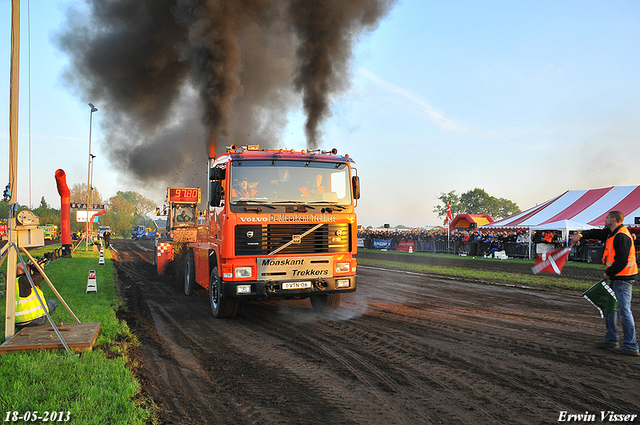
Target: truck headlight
[[243, 272], [343, 267]]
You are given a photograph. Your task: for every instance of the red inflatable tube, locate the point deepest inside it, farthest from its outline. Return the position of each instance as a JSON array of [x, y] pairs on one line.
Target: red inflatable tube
[[65, 212]]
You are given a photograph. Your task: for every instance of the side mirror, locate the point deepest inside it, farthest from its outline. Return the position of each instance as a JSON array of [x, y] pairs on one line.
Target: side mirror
[[355, 183], [216, 174], [215, 193]]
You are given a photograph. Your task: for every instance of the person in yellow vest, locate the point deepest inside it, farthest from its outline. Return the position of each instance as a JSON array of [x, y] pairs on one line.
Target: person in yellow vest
[[29, 311], [620, 259]]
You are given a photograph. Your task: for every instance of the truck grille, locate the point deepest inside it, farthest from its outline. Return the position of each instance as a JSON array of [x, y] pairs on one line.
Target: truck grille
[[263, 239]]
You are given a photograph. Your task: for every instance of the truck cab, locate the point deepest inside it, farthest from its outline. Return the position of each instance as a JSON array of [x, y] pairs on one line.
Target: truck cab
[[140, 232], [50, 231], [279, 224], [137, 232]]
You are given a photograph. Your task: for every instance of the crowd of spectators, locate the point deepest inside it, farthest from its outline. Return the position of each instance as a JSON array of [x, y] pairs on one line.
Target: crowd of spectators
[[467, 242], [485, 242]]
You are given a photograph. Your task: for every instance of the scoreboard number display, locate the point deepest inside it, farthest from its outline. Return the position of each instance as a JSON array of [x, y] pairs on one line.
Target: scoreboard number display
[[183, 195]]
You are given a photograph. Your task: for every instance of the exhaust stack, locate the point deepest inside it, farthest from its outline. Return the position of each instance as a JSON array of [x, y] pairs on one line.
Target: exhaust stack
[[212, 148]]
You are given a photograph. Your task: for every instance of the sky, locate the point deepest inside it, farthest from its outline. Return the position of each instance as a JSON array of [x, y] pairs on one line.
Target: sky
[[522, 99]]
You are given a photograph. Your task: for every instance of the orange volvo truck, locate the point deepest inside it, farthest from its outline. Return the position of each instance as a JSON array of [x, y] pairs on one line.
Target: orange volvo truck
[[278, 224]]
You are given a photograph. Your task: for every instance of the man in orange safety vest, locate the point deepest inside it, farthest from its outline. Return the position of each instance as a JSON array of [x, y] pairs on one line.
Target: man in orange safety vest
[[620, 259]]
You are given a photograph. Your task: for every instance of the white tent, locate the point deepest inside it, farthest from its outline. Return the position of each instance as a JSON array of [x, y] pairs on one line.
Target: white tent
[[582, 206], [566, 225]]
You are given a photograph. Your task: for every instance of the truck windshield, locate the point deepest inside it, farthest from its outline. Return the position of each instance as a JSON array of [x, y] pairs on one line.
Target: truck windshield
[[183, 216], [290, 181]]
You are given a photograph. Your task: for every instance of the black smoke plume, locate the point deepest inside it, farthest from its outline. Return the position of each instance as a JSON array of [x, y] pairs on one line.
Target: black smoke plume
[[173, 77]]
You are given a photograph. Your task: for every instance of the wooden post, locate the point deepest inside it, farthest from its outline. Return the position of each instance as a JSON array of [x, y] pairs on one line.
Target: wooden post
[[10, 316]]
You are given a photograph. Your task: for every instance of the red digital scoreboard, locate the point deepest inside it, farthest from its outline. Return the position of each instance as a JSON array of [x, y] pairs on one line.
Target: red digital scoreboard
[[183, 195]]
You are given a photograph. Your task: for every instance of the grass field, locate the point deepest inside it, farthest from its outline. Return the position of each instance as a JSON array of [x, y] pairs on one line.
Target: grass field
[[485, 275], [93, 387]]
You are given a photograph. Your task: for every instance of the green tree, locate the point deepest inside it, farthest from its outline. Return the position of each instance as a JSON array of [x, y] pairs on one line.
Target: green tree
[[126, 209], [141, 205], [43, 203], [80, 194], [476, 201], [121, 204], [507, 208], [119, 223], [47, 215], [450, 198], [4, 212]]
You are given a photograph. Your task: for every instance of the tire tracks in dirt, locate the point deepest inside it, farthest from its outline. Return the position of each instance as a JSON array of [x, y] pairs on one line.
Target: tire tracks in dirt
[[406, 348]]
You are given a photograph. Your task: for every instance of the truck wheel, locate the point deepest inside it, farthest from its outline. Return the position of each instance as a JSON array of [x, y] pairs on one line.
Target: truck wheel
[[221, 307], [189, 274], [324, 302]]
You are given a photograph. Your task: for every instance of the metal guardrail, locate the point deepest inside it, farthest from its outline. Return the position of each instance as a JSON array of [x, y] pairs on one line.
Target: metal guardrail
[[590, 253]]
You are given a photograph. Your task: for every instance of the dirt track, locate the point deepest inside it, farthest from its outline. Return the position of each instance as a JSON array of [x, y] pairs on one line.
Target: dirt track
[[404, 349]]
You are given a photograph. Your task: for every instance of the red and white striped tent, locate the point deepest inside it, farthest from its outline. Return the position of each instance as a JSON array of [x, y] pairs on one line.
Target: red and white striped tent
[[581, 206]]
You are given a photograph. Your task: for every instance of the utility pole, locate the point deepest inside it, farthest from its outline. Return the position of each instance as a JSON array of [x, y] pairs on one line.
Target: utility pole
[[10, 316]]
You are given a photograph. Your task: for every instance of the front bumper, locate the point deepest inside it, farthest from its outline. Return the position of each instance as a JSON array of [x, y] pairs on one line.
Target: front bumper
[[252, 290]]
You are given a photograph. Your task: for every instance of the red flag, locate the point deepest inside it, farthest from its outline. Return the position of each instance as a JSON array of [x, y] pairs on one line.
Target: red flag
[[448, 212], [551, 261]]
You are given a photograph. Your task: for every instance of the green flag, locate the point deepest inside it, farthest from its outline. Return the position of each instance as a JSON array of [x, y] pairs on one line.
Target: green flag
[[602, 297]]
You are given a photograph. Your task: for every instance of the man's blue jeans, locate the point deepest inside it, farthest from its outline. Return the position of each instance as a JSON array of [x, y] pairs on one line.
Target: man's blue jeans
[[622, 289]]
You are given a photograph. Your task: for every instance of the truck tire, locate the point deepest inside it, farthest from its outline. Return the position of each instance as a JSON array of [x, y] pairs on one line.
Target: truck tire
[[189, 274], [221, 307], [324, 302]]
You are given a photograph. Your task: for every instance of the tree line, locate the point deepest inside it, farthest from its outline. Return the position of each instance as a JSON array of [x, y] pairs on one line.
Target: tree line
[[475, 201], [127, 209], [122, 211]]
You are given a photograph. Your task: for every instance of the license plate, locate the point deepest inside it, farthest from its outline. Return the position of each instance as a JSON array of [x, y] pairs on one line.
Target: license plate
[[296, 285]]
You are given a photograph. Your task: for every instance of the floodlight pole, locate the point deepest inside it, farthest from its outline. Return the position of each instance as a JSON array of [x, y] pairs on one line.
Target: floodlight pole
[[89, 226]]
